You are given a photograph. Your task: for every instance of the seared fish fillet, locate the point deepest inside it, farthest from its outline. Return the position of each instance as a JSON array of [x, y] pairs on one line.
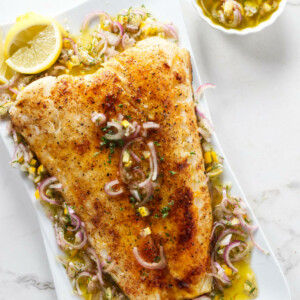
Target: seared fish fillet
[[152, 81]]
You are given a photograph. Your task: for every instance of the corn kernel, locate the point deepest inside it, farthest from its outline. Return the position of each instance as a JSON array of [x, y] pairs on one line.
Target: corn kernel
[[31, 170], [128, 165], [65, 211], [214, 156], [67, 71], [73, 252], [37, 179], [69, 65], [125, 124], [145, 231], [37, 194], [146, 154], [235, 221], [228, 271], [207, 157], [75, 60], [126, 157], [21, 160], [143, 211], [40, 169], [33, 162]]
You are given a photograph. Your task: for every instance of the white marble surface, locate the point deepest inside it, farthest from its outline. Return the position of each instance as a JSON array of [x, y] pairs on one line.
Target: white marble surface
[[255, 109]]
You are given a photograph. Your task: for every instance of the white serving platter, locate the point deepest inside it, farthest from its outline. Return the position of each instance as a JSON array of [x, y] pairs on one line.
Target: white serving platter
[[271, 281]]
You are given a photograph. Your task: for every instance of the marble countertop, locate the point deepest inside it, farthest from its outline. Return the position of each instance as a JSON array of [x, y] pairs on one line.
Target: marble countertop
[[255, 110]]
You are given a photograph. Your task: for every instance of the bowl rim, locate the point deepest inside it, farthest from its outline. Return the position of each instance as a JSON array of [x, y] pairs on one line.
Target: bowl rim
[[245, 31]]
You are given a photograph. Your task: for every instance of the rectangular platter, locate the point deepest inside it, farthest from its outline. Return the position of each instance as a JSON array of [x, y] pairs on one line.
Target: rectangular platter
[[271, 282]]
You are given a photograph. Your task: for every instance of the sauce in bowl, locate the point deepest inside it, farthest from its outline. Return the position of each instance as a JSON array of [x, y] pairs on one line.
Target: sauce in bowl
[[238, 14]]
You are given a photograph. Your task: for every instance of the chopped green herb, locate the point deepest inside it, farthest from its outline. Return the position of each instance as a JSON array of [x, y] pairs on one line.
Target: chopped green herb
[[173, 172], [162, 158], [193, 153], [121, 208], [96, 153], [165, 215], [156, 216], [167, 234], [252, 290], [157, 258], [156, 143], [120, 105], [171, 202]]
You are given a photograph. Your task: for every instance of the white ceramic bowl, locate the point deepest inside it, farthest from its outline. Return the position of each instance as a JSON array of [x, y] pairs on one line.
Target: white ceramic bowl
[[245, 31]]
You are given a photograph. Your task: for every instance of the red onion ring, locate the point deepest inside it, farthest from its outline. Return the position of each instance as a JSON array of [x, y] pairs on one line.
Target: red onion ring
[[10, 83], [92, 15], [118, 26], [62, 242], [227, 250], [94, 255], [42, 187], [121, 171], [135, 157], [256, 244], [82, 274], [202, 88], [117, 136], [151, 266], [216, 224], [108, 188], [154, 159], [73, 44], [98, 118]]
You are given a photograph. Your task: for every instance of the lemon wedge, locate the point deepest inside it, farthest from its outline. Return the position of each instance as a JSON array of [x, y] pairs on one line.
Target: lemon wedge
[[33, 44], [6, 73]]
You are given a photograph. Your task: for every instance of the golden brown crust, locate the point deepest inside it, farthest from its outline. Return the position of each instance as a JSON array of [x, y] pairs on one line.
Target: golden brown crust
[[153, 82]]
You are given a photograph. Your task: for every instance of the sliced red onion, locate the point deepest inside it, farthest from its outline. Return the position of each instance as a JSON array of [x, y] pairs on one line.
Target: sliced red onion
[[103, 42], [10, 83], [121, 169], [25, 152], [225, 233], [202, 298], [75, 220], [127, 41], [244, 224], [168, 29], [216, 225], [221, 272], [218, 277], [202, 88], [98, 118], [201, 115], [42, 190], [135, 194], [148, 189], [94, 256], [141, 174], [82, 274], [118, 27], [73, 44], [135, 157], [240, 255], [109, 188], [151, 125], [13, 91], [56, 186], [151, 266], [117, 136], [120, 117], [62, 242], [227, 250], [256, 245], [129, 130], [154, 159], [92, 15]]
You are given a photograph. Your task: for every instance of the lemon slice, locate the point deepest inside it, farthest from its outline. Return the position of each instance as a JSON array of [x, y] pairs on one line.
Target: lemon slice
[[33, 44], [6, 73]]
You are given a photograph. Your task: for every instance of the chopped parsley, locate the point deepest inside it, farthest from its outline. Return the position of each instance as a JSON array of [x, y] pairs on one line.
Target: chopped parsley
[[192, 153], [120, 105], [96, 153], [173, 172], [157, 144], [157, 258]]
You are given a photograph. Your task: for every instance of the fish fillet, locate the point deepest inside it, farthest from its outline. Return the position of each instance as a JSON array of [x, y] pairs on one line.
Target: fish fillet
[[153, 82]]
